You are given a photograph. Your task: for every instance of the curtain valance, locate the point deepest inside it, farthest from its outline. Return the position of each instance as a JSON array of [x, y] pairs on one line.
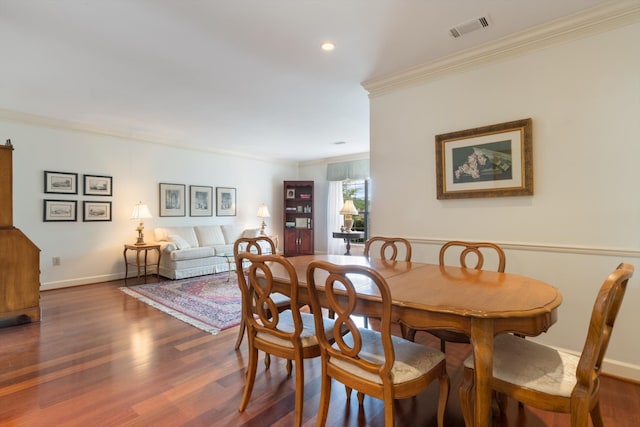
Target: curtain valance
[[355, 169]]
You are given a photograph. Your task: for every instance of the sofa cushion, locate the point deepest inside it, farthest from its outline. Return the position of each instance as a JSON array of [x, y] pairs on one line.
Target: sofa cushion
[[221, 250], [191, 253], [186, 232], [178, 241], [209, 235], [232, 232]]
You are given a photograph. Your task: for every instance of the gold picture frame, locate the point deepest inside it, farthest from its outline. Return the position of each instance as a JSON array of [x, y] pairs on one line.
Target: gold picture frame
[[489, 161]]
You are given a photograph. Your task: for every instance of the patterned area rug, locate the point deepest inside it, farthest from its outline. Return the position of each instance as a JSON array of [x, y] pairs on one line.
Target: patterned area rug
[[210, 303]]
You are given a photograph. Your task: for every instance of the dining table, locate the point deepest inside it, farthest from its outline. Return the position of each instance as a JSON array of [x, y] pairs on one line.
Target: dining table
[[480, 303]]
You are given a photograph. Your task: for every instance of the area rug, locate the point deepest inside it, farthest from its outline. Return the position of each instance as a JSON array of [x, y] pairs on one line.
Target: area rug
[[210, 303]]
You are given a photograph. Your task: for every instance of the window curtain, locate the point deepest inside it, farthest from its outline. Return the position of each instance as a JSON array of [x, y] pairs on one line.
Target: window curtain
[[336, 173], [334, 219]]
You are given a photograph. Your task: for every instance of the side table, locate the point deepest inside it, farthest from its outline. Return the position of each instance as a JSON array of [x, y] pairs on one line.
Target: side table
[[141, 266], [348, 236]]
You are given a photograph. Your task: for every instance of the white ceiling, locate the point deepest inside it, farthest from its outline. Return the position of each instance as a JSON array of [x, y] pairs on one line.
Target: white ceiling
[[240, 76]]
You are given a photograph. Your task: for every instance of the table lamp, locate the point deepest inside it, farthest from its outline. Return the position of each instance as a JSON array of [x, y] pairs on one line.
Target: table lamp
[[140, 212], [347, 210], [263, 212]]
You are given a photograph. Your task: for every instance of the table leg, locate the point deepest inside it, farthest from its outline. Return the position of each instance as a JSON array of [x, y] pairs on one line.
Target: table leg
[[146, 251], [482, 343], [138, 264], [348, 246], [126, 266]]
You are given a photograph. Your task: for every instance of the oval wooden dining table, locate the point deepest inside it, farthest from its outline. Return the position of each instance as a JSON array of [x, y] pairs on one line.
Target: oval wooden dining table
[[479, 303]]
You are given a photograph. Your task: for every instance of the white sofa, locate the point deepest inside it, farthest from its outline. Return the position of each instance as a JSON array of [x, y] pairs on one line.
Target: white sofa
[[189, 251]]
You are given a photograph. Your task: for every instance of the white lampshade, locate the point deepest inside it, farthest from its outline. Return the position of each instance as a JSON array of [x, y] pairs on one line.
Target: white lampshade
[[140, 211], [348, 208], [263, 211]]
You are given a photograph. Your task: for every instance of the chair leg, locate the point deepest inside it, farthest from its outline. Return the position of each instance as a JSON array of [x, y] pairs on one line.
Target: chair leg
[[299, 390], [360, 398], [443, 345], [445, 385], [596, 416], [466, 395], [267, 361], [249, 379], [348, 391], [243, 326], [325, 398], [289, 362]]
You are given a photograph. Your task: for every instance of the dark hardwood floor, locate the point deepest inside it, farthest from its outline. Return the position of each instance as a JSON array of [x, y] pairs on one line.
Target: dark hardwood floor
[[101, 358]]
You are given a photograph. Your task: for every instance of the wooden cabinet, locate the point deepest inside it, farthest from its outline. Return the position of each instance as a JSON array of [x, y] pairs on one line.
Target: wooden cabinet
[[298, 213], [19, 257]]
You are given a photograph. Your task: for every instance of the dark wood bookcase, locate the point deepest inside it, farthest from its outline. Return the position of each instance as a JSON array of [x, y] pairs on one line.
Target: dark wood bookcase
[[297, 215]]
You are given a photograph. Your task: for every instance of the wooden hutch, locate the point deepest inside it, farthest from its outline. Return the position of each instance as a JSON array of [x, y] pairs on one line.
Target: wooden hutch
[[19, 257], [298, 218]]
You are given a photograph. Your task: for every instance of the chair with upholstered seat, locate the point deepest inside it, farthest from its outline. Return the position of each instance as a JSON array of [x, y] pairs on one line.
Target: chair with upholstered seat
[[375, 363], [255, 245], [289, 334], [387, 249], [467, 251], [550, 379]]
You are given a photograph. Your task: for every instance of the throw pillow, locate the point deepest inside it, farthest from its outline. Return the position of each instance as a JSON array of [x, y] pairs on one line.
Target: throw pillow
[[179, 241], [251, 232]]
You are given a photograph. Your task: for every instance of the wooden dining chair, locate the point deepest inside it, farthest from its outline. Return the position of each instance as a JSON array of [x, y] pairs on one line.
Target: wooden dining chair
[[550, 379], [467, 253], [289, 334], [254, 245], [374, 363], [387, 249]]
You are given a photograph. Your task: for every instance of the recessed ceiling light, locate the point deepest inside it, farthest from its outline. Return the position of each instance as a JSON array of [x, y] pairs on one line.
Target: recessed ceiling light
[[327, 46]]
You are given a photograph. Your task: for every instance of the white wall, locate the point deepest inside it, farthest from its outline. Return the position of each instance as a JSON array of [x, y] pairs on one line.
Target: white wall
[[92, 251], [584, 218]]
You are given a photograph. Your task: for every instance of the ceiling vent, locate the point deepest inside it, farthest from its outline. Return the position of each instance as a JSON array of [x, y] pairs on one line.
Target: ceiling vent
[[469, 26]]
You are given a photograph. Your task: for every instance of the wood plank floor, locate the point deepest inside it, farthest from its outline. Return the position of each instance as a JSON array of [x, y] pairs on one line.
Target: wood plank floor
[[102, 358]]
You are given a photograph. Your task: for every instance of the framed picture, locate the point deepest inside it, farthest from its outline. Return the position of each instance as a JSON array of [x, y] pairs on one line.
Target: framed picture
[[60, 210], [225, 201], [97, 185], [291, 193], [490, 161], [172, 200], [96, 211], [201, 200], [60, 182]]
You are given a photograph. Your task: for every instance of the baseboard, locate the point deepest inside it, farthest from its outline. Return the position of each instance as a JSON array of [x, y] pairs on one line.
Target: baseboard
[[47, 286]]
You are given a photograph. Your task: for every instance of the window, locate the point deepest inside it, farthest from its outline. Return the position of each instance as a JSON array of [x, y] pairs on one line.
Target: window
[[358, 190]]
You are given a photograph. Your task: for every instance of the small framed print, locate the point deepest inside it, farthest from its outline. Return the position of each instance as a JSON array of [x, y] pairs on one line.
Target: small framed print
[[96, 211], [60, 182], [97, 185], [225, 201], [201, 198], [172, 200], [60, 210], [291, 193]]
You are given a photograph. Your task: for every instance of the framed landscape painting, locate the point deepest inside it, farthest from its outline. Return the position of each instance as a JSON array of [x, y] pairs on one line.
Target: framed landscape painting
[[96, 211], [201, 200], [225, 201], [60, 210], [97, 185], [172, 200], [489, 161], [60, 182]]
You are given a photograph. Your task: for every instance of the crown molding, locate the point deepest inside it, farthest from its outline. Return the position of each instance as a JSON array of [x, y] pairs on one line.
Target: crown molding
[[611, 15]]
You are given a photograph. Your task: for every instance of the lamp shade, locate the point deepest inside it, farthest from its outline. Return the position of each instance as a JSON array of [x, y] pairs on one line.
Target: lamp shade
[[140, 211], [348, 208], [263, 211]]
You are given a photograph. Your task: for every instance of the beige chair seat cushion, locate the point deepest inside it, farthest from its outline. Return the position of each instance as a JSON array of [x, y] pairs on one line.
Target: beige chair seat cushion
[[307, 336], [412, 360], [531, 365]]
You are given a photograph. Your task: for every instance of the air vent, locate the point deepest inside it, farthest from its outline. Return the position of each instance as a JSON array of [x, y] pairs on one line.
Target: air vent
[[469, 26]]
